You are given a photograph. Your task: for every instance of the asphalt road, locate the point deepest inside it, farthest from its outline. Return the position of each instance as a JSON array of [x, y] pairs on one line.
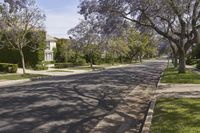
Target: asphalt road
[[70, 104]]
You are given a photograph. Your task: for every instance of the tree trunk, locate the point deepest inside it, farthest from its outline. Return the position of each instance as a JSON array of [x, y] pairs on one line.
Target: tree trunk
[[130, 60], [23, 62], [140, 56], [174, 51], [175, 60], [181, 68], [121, 60], [91, 63]]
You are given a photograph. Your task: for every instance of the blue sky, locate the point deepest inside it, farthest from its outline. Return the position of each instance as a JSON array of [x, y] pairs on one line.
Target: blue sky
[[61, 15]]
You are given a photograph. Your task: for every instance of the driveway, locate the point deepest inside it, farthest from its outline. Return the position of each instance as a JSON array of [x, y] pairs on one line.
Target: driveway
[[72, 104]]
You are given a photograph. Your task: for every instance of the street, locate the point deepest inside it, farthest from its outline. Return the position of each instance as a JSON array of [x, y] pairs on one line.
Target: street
[[72, 104]]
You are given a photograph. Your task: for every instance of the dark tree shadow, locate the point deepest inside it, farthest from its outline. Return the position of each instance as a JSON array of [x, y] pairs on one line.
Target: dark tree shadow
[[70, 104]]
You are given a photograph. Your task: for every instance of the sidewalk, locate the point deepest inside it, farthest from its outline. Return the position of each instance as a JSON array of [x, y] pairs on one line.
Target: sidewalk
[[49, 73], [129, 115], [178, 90], [4, 83], [69, 71], [193, 69]]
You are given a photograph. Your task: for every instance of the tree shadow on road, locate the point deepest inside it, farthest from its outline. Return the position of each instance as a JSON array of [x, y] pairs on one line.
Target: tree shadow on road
[[72, 104]]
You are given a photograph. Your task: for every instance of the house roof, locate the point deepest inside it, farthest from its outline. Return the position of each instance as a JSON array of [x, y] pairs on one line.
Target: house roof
[[50, 38]]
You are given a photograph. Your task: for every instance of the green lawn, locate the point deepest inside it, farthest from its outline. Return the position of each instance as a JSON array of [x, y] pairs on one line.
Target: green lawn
[[171, 76], [19, 76], [176, 116]]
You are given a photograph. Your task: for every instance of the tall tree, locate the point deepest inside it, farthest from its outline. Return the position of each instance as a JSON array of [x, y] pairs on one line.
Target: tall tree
[[18, 20], [176, 20], [63, 50], [174, 53], [85, 33]]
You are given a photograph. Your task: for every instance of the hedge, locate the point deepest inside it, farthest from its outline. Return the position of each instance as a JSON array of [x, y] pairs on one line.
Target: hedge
[[32, 56], [63, 65], [198, 65], [40, 67], [80, 62], [8, 68], [190, 61]]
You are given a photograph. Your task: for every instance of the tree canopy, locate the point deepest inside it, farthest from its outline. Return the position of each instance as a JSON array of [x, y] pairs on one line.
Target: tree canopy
[[18, 20], [176, 20]]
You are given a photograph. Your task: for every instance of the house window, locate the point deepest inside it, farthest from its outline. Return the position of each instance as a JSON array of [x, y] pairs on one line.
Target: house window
[[48, 46], [48, 56]]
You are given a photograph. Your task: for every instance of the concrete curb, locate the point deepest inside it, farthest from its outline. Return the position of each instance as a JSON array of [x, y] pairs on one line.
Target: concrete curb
[[149, 117], [21, 81], [159, 81], [129, 113], [8, 83]]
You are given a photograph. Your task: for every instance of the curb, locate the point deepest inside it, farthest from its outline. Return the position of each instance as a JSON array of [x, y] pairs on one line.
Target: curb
[[125, 117], [149, 117], [99, 124], [9, 83]]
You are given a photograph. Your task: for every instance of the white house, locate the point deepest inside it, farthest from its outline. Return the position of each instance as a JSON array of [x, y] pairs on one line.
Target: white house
[[50, 45]]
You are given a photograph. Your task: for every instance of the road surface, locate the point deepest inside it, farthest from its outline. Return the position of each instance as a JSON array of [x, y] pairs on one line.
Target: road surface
[[72, 104]]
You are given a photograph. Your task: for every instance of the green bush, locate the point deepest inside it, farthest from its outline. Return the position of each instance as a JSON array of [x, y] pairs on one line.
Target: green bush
[[63, 65], [198, 65], [9, 68], [80, 62], [40, 67], [32, 56], [190, 61], [48, 62]]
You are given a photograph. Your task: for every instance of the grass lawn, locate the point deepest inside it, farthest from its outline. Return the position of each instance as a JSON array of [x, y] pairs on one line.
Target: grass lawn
[[176, 116], [171, 76], [19, 76]]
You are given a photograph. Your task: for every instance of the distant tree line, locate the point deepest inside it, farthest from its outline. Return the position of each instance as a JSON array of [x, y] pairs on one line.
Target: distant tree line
[[176, 20]]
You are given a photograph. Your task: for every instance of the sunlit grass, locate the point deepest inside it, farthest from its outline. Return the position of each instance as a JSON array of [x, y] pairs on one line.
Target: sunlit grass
[[171, 75], [19, 76], [176, 116]]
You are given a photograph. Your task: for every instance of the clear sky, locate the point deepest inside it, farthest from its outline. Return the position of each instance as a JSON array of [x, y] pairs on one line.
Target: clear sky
[[61, 15]]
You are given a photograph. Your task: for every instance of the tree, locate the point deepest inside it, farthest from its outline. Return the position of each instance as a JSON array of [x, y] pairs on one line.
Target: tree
[[87, 37], [175, 53], [138, 44], [62, 50], [18, 20], [196, 51], [176, 20], [120, 47]]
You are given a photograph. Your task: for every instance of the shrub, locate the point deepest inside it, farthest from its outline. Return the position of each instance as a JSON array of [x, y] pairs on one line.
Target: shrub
[[80, 62], [32, 56], [198, 65], [48, 62], [40, 67], [63, 65], [9, 68], [190, 61]]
